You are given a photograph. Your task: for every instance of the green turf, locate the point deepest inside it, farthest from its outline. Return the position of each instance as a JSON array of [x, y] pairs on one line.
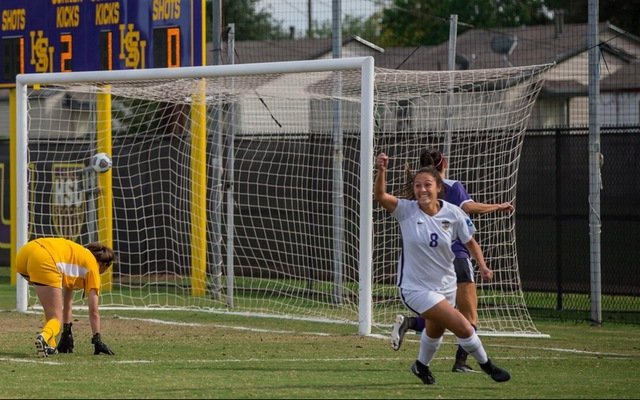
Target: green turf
[[168, 354]]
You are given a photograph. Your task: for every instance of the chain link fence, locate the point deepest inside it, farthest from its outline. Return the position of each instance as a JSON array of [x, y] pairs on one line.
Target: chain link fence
[[552, 222]]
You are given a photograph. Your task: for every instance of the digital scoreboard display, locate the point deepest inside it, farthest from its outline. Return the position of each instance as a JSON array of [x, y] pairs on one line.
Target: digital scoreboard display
[[89, 35]]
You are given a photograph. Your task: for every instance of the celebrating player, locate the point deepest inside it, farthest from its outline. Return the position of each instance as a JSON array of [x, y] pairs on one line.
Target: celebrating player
[[466, 297], [55, 267], [426, 275]]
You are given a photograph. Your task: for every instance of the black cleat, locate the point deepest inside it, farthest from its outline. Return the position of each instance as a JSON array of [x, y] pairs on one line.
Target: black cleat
[[42, 348], [496, 373], [461, 367], [461, 361], [422, 371]]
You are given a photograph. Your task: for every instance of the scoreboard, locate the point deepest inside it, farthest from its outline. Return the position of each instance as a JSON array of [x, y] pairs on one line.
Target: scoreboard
[[89, 35]]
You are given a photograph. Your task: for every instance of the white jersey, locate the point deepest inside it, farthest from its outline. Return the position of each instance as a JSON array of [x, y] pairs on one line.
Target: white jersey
[[426, 261]]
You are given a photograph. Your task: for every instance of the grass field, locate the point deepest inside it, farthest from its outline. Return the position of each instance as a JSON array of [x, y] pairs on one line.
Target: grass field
[[163, 354]]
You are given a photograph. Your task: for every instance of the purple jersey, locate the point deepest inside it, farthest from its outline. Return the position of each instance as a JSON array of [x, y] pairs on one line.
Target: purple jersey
[[455, 193]]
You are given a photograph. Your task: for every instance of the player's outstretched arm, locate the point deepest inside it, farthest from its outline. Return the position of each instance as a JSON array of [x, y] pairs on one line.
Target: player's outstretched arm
[[473, 207]]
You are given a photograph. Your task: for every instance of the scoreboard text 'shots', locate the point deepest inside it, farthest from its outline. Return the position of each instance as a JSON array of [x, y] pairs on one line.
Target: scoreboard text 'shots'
[[89, 35]]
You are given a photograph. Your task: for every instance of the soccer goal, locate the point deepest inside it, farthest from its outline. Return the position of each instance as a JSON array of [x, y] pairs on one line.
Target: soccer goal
[[248, 188]]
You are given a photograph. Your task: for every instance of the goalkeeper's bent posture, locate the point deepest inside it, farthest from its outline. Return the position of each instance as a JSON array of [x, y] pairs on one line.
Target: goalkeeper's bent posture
[[56, 267]]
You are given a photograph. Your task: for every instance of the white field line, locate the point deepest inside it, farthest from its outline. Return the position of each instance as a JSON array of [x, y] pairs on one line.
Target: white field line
[[234, 327], [574, 351], [38, 360]]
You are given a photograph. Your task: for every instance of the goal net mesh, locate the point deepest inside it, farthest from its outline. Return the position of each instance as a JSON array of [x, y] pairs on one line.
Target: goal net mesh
[[242, 193]]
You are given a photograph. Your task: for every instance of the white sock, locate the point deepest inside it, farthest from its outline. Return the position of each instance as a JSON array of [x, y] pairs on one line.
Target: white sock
[[428, 348], [473, 346]]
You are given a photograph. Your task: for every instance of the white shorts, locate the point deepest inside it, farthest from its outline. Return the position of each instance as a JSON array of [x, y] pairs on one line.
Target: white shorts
[[420, 301]]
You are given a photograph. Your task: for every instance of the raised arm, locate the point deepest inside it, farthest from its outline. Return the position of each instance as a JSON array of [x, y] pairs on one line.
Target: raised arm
[[386, 200]]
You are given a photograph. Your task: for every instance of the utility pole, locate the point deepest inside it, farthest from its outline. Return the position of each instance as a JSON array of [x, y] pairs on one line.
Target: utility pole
[[216, 30], [310, 20]]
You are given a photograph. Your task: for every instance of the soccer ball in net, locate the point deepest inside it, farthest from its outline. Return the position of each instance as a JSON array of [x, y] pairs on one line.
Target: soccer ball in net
[[101, 162]]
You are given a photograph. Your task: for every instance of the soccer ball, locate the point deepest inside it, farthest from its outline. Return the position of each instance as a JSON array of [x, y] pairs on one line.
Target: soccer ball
[[101, 162]]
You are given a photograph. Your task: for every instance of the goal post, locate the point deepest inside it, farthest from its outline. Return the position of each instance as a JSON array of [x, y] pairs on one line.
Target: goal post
[[249, 188], [105, 200]]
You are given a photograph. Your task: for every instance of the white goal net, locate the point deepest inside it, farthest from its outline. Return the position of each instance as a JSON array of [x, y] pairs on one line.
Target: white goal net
[[247, 188]]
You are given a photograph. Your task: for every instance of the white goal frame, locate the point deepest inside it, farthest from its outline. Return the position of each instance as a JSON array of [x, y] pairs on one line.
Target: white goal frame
[[364, 64]]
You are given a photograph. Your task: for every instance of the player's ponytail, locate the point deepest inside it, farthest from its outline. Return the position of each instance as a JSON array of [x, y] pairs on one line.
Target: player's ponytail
[[408, 183], [432, 157], [103, 254]]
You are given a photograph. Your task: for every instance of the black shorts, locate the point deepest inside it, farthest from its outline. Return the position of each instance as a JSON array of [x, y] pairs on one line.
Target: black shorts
[[464, 270]]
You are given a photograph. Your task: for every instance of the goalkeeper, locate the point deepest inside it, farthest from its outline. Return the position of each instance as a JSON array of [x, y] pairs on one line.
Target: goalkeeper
[[56, 267]]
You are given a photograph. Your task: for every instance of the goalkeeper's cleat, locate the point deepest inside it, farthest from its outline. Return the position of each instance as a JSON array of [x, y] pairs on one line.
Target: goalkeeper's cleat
[[422, 371], [496, 373], [42, 348], [51, 350], [399, 330]]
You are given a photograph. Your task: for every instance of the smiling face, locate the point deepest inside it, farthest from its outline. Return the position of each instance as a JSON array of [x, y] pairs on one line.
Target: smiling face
[[427, 185]]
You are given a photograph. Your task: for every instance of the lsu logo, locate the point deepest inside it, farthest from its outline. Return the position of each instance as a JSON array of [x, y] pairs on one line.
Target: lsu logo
[[68, 205]]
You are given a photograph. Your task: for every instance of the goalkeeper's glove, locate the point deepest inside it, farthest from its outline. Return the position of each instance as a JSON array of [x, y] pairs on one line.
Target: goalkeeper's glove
[[66, 339], [100, 347]]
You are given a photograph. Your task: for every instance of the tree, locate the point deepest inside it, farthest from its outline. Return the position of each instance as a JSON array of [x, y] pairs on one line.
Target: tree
[[624, 14], [250, 24], [366, 28], [426, 22]]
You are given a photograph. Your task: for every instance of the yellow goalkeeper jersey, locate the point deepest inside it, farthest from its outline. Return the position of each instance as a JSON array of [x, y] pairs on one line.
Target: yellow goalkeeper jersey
[[58, 262]]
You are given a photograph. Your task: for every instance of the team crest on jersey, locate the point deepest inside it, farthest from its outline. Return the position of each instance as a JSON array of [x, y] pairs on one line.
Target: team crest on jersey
[[67, 200], [469, 222], [446, 225]]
